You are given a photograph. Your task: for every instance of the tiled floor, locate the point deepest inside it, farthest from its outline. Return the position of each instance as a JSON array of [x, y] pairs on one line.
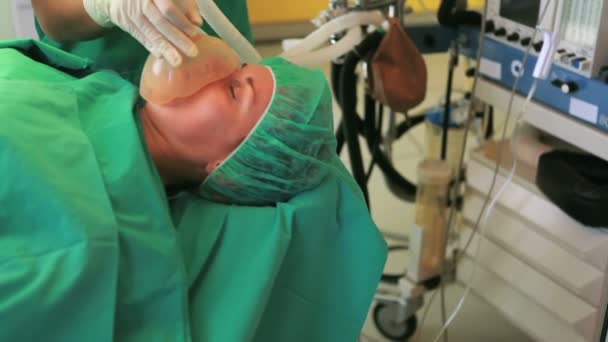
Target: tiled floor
[[477, 322]]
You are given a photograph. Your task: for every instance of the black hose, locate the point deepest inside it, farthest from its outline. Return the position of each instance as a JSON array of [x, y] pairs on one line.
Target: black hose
[[447, 110], [348, 99], [369, 121], [339, 137], [351, 124], [377, 138], [490, 126], [449, 15], [405, 126], [340, 133], [370, 130], [335, 73], [398, 184], [390, 278], [379, 124]]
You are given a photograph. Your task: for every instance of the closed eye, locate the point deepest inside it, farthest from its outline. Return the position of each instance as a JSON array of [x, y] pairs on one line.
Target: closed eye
[[232, 93]]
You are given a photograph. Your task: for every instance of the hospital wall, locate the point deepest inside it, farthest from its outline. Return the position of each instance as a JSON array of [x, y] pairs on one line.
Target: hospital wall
[[281, 11], [7, 31]]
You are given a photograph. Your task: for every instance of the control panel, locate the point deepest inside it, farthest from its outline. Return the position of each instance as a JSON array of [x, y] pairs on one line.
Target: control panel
[[583, 44], [577, 83]]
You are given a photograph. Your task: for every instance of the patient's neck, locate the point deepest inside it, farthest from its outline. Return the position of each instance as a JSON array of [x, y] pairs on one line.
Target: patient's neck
[[169, 167]]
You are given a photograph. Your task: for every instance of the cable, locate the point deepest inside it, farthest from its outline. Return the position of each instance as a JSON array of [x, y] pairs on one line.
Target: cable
[[443, 310], [447, 114], [504, 133], [470, 117], [484, 214], [424, 316]]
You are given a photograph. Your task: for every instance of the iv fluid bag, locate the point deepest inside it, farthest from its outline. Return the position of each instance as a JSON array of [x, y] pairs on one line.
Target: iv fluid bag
[[160, 83]]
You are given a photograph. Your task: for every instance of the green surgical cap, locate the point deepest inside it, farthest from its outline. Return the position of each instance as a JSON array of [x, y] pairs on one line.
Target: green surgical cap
[[291, 148]]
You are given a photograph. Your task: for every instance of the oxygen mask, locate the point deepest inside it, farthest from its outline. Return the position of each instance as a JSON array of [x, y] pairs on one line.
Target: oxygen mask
[[160, 83]]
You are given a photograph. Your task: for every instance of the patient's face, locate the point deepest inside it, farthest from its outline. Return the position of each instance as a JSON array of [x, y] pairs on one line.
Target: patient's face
[[207, 126]]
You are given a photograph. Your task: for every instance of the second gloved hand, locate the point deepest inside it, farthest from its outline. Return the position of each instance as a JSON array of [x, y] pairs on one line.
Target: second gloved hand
[[163, 27]]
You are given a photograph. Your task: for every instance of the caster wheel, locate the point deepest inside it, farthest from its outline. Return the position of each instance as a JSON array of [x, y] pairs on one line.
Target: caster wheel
[[384, 318]]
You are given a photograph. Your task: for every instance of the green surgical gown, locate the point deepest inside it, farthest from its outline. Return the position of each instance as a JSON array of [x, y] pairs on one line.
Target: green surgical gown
[[88, 251], [118, 51], [92, 250]]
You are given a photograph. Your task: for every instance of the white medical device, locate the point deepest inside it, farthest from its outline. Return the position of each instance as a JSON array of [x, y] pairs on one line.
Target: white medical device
[[581, 45], [544, 271]]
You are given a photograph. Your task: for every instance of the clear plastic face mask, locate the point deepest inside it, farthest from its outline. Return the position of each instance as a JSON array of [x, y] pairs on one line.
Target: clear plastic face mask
[[161, 84]]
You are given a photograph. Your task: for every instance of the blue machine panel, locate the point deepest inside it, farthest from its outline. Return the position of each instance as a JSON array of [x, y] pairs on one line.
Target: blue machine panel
[[565, 91]]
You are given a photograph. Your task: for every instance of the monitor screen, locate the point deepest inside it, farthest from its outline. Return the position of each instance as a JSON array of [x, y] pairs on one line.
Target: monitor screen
[[581, 22], [525, 12]]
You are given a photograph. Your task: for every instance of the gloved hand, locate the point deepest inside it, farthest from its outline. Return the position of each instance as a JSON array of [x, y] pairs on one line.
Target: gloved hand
[[161, 26]]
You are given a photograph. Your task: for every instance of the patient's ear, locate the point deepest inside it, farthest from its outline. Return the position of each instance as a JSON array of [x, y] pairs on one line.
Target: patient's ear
[[210, 167]]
